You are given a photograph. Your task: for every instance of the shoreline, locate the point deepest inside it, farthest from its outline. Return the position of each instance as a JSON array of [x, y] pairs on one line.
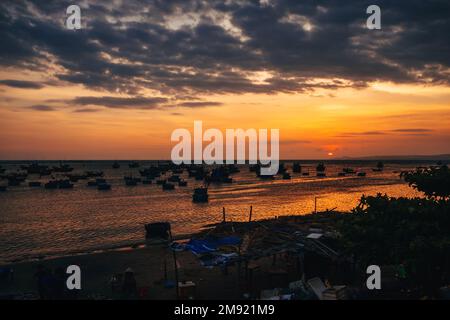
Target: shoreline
[[106, 249], [153, 265], [140, 244]]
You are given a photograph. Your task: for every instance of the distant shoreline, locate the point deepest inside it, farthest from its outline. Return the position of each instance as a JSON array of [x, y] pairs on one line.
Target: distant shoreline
[[407, 158]]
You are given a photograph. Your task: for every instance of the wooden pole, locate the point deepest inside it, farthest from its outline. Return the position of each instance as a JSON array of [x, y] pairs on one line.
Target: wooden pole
[[315, 204], [175, 266], [223, 215], [250, 217]]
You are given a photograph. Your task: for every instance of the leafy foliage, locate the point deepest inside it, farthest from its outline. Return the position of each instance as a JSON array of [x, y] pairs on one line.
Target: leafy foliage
[[413, 232], [433, 181]]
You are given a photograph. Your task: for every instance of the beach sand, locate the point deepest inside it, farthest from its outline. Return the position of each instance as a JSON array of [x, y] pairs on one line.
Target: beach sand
[[153, 264], [147, 264]]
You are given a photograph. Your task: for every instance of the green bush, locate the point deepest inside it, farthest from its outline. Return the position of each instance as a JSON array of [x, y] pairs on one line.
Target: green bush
[[414, 232], [434, 182]]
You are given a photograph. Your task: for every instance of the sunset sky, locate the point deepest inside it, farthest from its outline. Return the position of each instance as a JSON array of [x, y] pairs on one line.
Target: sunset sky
[[137, 70]]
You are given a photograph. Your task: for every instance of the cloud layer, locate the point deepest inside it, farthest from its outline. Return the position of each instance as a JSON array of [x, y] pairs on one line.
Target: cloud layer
[[200, 47]]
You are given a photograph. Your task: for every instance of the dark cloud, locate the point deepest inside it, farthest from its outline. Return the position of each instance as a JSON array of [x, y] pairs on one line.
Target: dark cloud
[[200, 104], [409, 131], [22, 84], [138, 45], [86, 110], [365, 133], [42, 107], [137, 102], [120, 103], [413, 130]]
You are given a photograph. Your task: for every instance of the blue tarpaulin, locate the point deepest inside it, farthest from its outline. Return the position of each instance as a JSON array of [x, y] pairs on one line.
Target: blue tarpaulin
[[200, 246]]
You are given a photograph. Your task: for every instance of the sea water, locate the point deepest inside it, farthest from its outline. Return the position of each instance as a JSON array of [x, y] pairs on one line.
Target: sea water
[[36, 222]]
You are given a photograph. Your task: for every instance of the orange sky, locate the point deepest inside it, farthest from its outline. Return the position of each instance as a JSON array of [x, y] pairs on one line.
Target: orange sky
[[134, 71], [383, 119]]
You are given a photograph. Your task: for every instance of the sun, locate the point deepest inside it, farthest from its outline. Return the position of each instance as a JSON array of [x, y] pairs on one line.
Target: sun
[[330, 154]]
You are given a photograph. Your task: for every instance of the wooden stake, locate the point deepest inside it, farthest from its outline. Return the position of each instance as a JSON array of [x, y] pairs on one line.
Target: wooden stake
[[315, 204], [175, 265], [223, 214], [250, 217]]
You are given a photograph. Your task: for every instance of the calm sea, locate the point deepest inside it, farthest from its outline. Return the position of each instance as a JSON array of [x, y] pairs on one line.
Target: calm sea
[[35, 222]]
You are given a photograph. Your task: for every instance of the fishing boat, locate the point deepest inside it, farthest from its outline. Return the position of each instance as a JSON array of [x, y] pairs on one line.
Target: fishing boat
[[286, 176], [182, 183], [361, 174], [232, 168], [158, 230], [177, 170], [380, 165], [94, 174], [266, 177], [62, 168], [147, 181], [320, 167], [35, 168], [152, 172], [16, 178], [227, 180], [13, 182], [104, 186], [72, 178], [92, 183], [65, 184], [160, 181], [200, 175], [52, 184], [297, 168], [45, 172], [76, 177], [174, 178], [116, 165], [168, 186], [100, 181], [131, 183], [200, 195], [133, 164], [219, 175], [320, 170]]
